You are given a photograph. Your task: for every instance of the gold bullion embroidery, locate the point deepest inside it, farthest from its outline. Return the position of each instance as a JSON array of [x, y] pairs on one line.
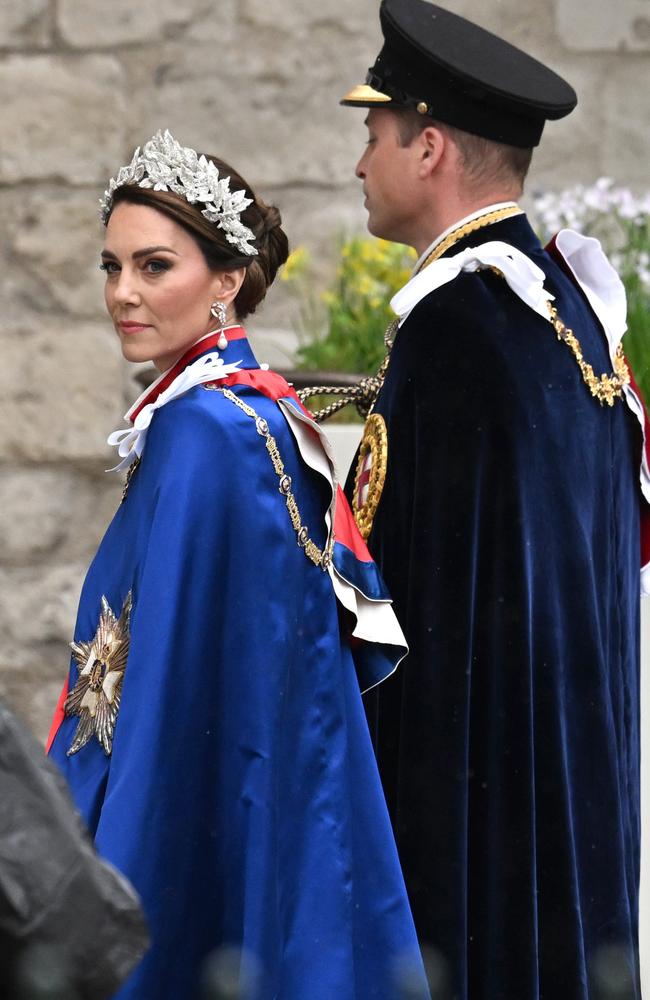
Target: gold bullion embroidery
[[101, 663], [371, 472], [320, 557]]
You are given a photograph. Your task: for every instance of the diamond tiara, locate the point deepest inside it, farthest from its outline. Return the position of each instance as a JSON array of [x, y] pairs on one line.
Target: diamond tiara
[[165, 165]]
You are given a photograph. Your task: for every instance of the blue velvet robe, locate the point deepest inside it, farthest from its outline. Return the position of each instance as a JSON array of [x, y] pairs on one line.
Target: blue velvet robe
[[241, 797], [508, 535]]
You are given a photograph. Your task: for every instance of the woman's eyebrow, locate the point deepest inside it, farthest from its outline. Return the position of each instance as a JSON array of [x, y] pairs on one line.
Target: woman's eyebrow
[[140, 253]]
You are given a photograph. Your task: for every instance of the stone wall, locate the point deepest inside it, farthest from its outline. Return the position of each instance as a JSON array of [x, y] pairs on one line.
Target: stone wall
[[257, 81]]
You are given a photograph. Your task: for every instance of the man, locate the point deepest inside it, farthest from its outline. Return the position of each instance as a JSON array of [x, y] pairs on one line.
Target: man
[[498, 483]]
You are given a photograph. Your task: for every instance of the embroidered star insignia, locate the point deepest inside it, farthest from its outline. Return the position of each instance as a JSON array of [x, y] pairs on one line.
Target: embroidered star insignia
[[101, 662]]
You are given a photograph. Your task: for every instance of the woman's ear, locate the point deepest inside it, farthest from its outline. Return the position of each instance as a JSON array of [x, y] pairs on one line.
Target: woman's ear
[[226, 284]]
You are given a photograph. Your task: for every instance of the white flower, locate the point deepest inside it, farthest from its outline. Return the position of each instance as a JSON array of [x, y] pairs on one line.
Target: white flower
[[619, 219]]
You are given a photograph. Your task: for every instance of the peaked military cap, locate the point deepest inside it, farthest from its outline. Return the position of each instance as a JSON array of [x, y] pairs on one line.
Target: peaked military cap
[[444, 66]]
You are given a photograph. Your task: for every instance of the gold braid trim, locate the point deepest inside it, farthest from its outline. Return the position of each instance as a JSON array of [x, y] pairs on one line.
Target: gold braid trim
[[320, 557], [498, 215]]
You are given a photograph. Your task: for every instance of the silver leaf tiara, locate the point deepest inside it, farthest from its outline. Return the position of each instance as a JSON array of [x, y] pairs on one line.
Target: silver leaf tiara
[[165, 165]]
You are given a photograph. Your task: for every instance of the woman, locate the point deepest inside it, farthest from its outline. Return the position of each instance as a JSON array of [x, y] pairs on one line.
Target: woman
[[212, 730]]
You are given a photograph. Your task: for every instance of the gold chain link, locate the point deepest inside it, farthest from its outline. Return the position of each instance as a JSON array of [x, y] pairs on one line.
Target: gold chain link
[[130, 472], [319, 557], [604, 388]]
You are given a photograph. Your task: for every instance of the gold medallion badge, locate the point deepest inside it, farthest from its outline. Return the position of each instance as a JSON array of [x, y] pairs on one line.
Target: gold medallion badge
[[371, 472], [101, 662]]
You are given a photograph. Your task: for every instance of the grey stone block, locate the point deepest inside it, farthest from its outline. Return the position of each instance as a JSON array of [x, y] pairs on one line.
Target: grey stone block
[[571, 149], [94, 24], [602, 26], [61, 390], [25, 24], [302, 15], [626, 125], [52, 242], [42, 606], [33, 690], [49, 513], [67, 118], [272, 108]]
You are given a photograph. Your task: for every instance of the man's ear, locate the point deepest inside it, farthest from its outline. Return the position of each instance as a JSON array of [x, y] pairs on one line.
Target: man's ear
[[431, 142]]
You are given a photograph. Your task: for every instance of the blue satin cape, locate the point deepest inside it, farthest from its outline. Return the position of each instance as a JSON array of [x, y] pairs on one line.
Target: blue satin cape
[[242, 797]]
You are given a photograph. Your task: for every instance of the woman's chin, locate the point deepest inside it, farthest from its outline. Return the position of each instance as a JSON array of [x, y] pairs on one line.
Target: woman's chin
[[135, 352]]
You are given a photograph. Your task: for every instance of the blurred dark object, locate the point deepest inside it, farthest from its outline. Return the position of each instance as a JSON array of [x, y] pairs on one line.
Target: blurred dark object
[[408, 978], [71, 927], [41, 973], [230, 974], [438, 975], [610, 975]]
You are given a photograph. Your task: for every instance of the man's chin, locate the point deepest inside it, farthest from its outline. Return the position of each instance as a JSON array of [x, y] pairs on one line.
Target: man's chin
[[375, 229]]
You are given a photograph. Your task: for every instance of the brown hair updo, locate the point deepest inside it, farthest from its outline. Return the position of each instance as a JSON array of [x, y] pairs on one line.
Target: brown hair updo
[[264, 220]]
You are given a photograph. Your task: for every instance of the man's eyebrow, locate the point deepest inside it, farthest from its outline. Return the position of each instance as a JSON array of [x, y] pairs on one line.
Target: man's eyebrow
[[140, 253]]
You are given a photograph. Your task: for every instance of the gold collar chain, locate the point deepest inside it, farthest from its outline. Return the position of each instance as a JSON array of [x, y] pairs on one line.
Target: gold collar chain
[[364, 395], [497, 215], [606, 388], [320, 557]]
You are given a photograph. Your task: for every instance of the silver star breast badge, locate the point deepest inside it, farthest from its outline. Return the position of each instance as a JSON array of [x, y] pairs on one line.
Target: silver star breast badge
[[101, 663]]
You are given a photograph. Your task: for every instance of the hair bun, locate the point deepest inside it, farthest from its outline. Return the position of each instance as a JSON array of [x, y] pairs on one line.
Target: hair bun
[[271, 218], [274, 247]]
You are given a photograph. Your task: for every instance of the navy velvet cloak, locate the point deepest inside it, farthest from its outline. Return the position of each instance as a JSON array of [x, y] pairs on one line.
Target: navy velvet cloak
[[242, 797], [508, 535]]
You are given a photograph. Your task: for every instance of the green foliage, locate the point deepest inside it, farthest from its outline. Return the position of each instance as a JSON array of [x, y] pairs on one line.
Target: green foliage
[[637, 339], [344, 329]]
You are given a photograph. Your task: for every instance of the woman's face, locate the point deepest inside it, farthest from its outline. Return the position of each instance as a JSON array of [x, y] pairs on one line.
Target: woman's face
[[159, 288]]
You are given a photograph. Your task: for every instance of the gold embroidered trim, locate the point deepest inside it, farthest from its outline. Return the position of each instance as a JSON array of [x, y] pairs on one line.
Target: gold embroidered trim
[[372, 463], [101, 663], [498, 215], [320, 557]]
